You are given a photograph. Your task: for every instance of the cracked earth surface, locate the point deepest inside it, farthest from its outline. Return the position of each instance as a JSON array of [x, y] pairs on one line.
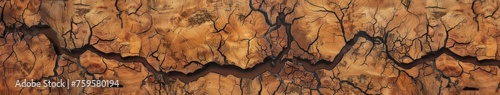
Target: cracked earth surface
[[253, 46]]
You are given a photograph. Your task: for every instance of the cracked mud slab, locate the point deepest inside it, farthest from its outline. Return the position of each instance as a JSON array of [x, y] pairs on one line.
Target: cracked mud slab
[[253, 46]]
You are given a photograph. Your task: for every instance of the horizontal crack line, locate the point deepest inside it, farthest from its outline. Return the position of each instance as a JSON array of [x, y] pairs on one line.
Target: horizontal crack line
[[213, 67]]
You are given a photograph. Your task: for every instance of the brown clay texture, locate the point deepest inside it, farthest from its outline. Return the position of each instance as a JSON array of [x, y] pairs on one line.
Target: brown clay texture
[[249, 47]]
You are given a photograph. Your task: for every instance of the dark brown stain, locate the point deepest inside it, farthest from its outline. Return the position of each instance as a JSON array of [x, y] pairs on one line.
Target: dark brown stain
[[95, 68], [82, 11]]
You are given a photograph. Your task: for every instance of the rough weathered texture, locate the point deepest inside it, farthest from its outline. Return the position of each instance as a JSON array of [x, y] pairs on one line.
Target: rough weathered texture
[[253, 46]]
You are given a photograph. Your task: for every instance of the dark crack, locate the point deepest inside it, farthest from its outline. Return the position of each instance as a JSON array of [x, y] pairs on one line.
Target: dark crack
[[471, 88], [259, 68]]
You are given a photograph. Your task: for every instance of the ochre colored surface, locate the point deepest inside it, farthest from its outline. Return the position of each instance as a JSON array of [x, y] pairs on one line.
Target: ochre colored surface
[[253, 46]]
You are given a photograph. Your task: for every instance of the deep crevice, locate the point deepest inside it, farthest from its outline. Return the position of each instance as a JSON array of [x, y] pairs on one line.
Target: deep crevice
[[213, 67]]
